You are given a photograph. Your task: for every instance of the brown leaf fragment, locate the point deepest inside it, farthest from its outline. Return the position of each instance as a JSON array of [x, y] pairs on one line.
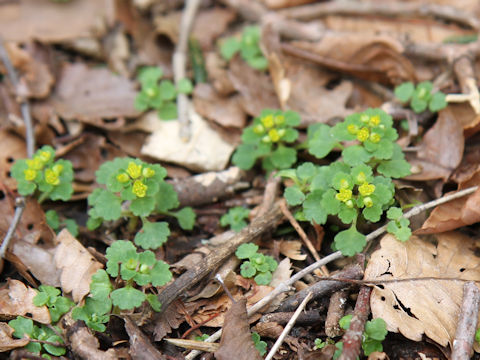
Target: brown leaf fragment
[[86, 346], [292, 249], [236, 342], [429, 307], [141, 347], [279, 4], [170, 318], [16, 299], [76, 264], [7, 342], [12, 148]]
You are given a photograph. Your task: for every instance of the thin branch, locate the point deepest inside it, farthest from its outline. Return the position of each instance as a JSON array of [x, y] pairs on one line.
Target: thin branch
[[179, 65], [288, 327]]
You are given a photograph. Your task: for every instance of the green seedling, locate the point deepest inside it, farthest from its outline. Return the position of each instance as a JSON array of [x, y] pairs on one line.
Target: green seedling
[[373, 335], [53, 220], [202, 337], [258, 266], [136, 190], [159, 95], [57, 304], [320, 344], [235, 218], [260, 345], [25, 328], [248, 47], [44, 177], [398, 225], [268, 139], [358, 185], [421, 97], [460, 39]]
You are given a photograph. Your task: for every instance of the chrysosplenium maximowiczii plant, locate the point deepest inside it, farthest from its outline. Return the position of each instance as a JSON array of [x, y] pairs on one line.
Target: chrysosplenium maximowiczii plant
[[268, 139], [135, 189], [421, 96], [258, 266], [44, 177], [357, 185]]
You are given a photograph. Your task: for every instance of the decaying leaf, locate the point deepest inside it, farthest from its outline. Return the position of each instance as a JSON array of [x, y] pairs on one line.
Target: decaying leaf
[[76, 264], [86, 345], [140, 345], [236, 342], [7, 342], [12, 148], [429, 307], [16, 299], [292, 249]]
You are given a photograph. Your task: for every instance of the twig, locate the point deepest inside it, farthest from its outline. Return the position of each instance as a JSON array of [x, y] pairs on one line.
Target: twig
[[336, 310], [288, 327], [352, 339], [180, 62], [465, 73], [467, 323], [310, 317], [19, 208]]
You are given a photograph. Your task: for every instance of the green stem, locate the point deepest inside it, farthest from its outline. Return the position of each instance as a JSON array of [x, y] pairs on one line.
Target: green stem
[[132, 223], [43, 197]]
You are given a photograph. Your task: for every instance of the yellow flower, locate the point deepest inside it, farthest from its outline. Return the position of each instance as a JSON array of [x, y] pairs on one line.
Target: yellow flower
[[258, 129], [44, 156], [122, 178], [364, 118], [267, 121], [344, 184], [57, 169], [36, 163], [30, 174], [139, 189], [361, 177], [374, 120], [273, 134], [51, 177], [279, 120], [363, 134], [368, 202], [344, 195], [352, 129], [375, 138], [148, 172], [134, 170], [366, 189]]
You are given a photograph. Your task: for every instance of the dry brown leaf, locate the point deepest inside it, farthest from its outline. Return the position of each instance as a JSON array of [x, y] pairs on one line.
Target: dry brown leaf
[[7, 342], [236, 342], [429, 307], [12, 148], [86, 345], [279, 4], [292, 249], [141, 347], [48, 21], [217, 74], [76, 264], [170, 318], [16, 299], [95, 96]]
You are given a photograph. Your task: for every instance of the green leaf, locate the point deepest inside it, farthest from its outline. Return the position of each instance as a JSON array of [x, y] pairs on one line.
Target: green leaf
[[330, 203], [184, 86], [350, 242], [229, 47], [167, 90], [61, 306], [55, 350], [160, 273], [246, 251], [346, 214], [22, 327], [321, 141], [418, 105], [245, 157], [283, 157], [376, 329], [141, 102], [306, 171], [120, 251], [100, 286], [394, 213], [369, 346], [272, 264], [404, 91], [110, 169], [127, 298], [235, 218], [166, 198], [168, 111], [149, 75], [154, 303], [247, 270], [437, 102], [261, 346], [263, 278], [292, 118], [152, 235], [106, 205], [294, 195], [312, 208], [258, 62], [186, 218], [344, 322], [355, 155], [51, 216], [142, 206], [45, 294], [373, 213], [71, 226], [394, 168]]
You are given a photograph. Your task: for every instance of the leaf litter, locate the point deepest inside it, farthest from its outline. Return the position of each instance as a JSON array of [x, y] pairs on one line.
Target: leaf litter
[[78, 64]]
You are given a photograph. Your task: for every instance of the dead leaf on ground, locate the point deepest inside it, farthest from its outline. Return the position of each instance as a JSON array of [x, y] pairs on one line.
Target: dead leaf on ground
[[141, 347], [170, 318], [16, 299], [7, 342], [279, 4], [217, 74], [292, 249], [12, 148], [76, 264], [86, 345], [429, 307], [236, 342]]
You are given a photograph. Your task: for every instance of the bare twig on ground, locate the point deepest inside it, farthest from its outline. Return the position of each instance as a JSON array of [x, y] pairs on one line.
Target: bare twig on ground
[[310, 317], [270, 195], [465, 73], [352, 339], [179, 64], [467, 323], [336, 310], [288, 327]]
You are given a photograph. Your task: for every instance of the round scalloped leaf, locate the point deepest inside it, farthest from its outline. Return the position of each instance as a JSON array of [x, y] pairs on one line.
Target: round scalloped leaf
[[100, 286], [394, 213], [292, 118], [313, 209], [142, 206], [404, 91], [294, 195], [244, 157], [127, 298], [350, 241], [107, 205], [263, 278], [120, 251], [322, 141], [246, 251], [166, 198], [160, 273], [283, 157], [355, 155], [374, 212], [437, 102], [186, 218], [152, 235], [247, 270], [168, 111]]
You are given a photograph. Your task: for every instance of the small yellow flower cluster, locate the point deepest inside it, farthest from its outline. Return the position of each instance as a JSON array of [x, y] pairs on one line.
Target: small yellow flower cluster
[[366, 132], [138, 174], [269, 125], [345, 194], [37, 165]]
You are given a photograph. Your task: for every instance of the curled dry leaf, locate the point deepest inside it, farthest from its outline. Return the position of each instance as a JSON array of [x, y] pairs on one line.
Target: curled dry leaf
[[76, 264], [428, 307], [7, 342], [292, 249], [12, 148], [84, 344], [16, 299]]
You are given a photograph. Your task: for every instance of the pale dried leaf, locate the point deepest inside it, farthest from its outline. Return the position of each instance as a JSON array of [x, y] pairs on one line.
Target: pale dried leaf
[[279, 4], [7, 342], [86, 345], [292, 249], [429, 307], [12, 148], [76, 264], [16, 299]]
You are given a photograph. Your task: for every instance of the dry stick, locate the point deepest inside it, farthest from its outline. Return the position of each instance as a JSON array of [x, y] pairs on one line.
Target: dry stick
[[179, 65], [310, 317], [463, 68], [467, 323], [352, 339], [30, 139], [336, 310], [285, 286], [288, 327]]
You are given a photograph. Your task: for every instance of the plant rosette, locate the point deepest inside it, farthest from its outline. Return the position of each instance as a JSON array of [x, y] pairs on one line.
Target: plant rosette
[[258, 266]]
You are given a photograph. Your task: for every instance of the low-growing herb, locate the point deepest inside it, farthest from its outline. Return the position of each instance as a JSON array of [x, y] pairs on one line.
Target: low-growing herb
[[260, 345], [57, 304], [398, 225], [373, 335], [421, 97], [235, 218], [53, 220], [258, 266]]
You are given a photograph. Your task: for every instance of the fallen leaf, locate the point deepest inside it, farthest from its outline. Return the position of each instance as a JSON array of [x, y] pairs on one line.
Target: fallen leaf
[[16, 299], [236, 341], [141, 347], [170, 318], [7, 342], [76, 264], [292, 249], [279, 4], [429, 307], [12, 148], [217, 74], [86, 345]]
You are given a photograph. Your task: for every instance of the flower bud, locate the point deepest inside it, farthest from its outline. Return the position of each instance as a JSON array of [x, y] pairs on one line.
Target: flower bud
[[144, 269], [279, 120], [30, 174], [273, 134], [267, 121], [131, 264], [374, 120], [375, 138], [368, 202], [134, 170], [148, 172], [349, 204], [366, 189], [363, 134], [51, 177], [123, 178], [139, 189], [258, 129], [352, 129]]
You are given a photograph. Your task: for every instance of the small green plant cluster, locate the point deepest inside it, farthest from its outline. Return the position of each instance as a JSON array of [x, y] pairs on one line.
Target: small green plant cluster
[[47, 337], [258, 266], [358, 185], [260, 345], [43, 176], [421, 97], [135, 189], [398, 225], [267, 139], [159, 95], [248, 46], [53, 220], [202, 337], [134, 269], [57, 305], [235, 218]]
